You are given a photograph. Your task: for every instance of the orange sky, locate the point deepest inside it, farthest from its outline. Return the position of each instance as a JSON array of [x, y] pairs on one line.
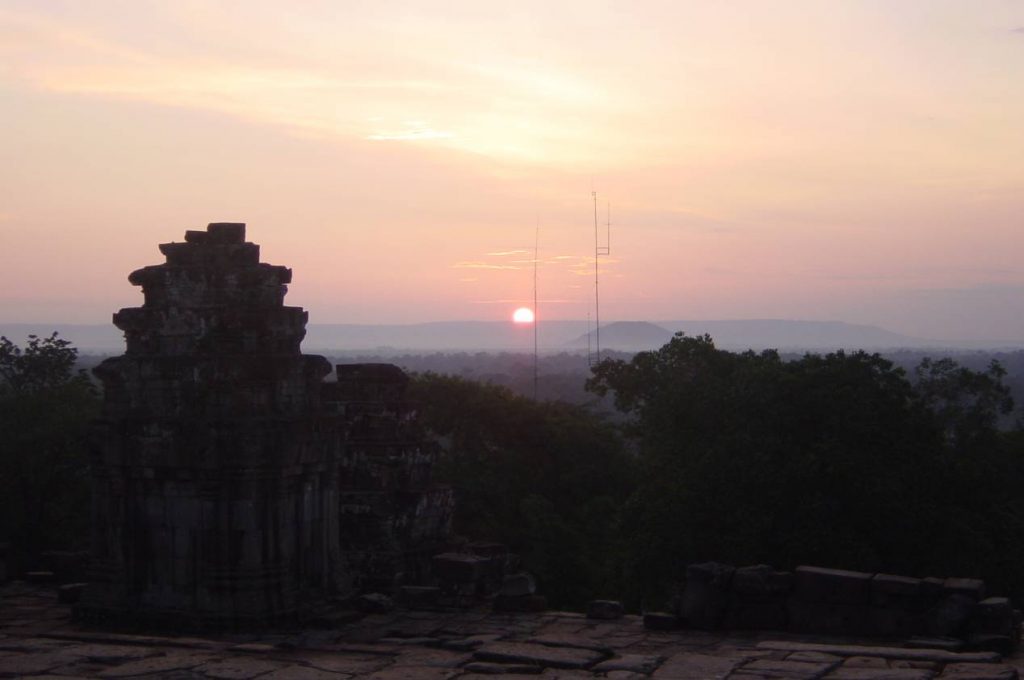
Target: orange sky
[[855, 160]]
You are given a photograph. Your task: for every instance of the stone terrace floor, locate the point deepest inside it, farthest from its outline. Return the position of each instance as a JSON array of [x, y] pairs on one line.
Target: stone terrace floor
[[39, 640]]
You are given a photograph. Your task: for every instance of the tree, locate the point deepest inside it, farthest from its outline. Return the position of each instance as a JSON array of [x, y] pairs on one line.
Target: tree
[[545, 478], [44, 364], [45, 410], [835, 460]]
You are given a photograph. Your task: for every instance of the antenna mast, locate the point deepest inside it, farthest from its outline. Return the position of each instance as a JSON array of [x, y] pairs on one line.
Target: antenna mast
[[536, 317], [599, 250]]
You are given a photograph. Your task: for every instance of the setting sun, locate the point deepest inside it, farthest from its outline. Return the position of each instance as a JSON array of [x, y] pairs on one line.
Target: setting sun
[[523, 315]]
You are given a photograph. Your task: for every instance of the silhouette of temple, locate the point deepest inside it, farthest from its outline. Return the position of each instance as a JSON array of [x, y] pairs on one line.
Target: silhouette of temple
[[233, 485]]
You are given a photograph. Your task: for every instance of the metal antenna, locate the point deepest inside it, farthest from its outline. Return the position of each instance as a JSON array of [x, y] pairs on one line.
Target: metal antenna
[[599, 250], [589, 360], [536, 316]]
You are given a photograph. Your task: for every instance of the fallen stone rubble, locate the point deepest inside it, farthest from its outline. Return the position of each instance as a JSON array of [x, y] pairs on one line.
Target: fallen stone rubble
[[39, 639]]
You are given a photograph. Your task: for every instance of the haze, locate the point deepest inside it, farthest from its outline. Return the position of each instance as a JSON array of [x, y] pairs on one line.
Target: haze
[[858, 161]]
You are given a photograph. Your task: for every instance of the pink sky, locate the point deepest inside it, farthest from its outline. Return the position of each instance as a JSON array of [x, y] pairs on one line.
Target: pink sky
[[857, 160]]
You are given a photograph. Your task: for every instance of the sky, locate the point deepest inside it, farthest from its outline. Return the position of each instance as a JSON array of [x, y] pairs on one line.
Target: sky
[[857, 160]]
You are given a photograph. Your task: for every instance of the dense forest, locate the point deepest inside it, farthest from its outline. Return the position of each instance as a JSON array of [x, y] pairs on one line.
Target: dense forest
[[623, 472]]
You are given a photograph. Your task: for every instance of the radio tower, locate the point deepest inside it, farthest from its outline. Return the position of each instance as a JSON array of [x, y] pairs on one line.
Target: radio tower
[[536, 316], [599, 250]]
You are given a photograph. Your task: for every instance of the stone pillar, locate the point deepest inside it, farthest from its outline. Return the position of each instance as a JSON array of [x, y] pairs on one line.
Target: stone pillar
[[215, 469]]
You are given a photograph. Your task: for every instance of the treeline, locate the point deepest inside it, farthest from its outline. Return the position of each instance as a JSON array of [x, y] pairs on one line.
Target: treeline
[[562, 376], [844, 460], [841, 460]]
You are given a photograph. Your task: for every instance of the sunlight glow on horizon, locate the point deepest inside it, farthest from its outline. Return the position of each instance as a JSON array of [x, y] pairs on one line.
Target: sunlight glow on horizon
[[523, 315]]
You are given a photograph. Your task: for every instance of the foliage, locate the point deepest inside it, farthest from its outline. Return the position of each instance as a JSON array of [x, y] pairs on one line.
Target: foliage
[[45, 409], [544, 478], [836, 460]]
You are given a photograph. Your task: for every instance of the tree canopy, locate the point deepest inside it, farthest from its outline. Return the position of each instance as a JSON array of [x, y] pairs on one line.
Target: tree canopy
[[838, 460]]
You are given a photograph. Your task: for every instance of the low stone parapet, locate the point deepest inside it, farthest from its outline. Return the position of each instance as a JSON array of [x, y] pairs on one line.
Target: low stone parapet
[[819, 600]]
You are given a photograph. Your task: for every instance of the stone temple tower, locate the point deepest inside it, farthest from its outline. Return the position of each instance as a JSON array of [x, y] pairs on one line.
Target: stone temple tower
[[216, 467]]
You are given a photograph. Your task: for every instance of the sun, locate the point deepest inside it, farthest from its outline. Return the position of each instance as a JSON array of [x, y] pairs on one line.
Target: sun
[[523, 315]]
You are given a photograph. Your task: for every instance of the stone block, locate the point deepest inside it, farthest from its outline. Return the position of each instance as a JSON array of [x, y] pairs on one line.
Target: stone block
[[971, 587], [605, 609], [540, 655], [992, 616], [758, 616], [760, 583], [706, 598], [828, 617], [888, 590], [894, 622], [982, 642], [518, 585], [419, 597], [950, 616], [459, 567], [838, 586], [660, 621], [40, 577], [523, 603], [70, 592], [225, 232]]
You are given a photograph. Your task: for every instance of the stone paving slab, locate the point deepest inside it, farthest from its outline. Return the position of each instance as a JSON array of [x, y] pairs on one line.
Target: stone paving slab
[[939, 655], [466, 646], [539, 655]]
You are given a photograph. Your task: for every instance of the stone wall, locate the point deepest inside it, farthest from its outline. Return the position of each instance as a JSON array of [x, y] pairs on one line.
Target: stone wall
[[835, 601]]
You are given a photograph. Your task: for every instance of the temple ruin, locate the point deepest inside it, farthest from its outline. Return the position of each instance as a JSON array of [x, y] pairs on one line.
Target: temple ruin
[[233, 485]]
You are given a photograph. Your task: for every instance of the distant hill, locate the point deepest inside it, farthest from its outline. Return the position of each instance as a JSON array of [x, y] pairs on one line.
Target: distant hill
[[787, 334], [555, 335], [630, 336]]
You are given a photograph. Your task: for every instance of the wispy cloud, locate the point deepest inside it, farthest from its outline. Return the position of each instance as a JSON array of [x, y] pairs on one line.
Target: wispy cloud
[[501, 253], [414, 131], [481, 265]]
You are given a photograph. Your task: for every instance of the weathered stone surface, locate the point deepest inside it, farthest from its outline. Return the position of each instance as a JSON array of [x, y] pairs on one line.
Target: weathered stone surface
[[848, 673], [696, 667], [491, 668], [297, 672], [992, 616], [866, 662], [660, 621], [971, 587], [706, 596], [938, 655], [636, 663], [543, 655], [838, 586], [238, 668], [413, 673], [419, 597], [233, 487], [978, 671], [829, 617], [518, 585], [761, 583], [605, 609], [814, 657], [459, 567], [949, 617], [572, 640], [520, 604], [888, 590], [158, 665], [775, 668]]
